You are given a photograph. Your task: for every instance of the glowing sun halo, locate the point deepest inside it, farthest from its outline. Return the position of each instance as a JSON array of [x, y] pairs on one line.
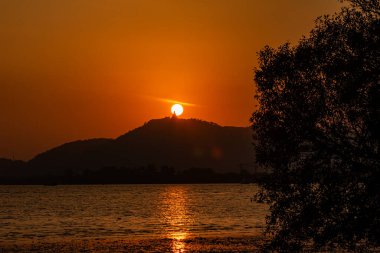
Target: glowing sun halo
[[177, 109]]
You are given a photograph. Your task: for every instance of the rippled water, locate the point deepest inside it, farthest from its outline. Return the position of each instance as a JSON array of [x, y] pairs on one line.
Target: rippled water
[[128, 211]]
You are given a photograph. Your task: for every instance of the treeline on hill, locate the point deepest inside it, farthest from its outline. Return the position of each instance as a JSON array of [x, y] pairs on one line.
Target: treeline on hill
[[141, 175]]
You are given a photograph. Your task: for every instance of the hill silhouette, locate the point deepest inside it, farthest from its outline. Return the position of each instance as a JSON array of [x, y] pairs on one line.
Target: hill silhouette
[[12, 168], [168, 142]]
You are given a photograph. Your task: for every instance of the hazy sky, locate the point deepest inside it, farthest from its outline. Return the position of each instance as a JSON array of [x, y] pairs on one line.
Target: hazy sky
[[78, 69]]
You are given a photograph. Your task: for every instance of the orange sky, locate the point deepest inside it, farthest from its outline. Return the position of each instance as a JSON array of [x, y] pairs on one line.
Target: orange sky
[[78, 69]]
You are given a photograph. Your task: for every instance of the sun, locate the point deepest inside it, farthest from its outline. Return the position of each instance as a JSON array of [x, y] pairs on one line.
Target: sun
[[177, 109]]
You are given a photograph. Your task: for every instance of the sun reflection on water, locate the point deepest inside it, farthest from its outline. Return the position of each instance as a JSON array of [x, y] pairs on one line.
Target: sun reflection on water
[[178, 243], [175, 214]]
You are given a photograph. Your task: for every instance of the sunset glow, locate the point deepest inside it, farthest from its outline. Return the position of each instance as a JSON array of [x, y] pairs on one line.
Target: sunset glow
[[79, 69]]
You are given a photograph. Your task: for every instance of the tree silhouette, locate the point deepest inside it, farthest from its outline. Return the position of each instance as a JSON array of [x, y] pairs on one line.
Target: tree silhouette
[[318, 129], [367, 5]]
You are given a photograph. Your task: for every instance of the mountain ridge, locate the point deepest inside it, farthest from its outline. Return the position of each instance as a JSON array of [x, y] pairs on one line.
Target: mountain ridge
[[174, 142]]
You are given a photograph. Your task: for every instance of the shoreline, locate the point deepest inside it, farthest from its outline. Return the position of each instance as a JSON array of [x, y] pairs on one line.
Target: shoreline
[[195, 244]]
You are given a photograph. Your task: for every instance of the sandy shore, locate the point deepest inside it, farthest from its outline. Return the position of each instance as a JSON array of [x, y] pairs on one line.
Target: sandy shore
[[212, 244]]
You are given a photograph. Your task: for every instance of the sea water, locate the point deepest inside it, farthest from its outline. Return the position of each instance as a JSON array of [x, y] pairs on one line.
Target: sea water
[[46, 213]]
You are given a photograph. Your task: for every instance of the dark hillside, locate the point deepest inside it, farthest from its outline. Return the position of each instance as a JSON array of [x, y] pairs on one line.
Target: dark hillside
[[178, 143]]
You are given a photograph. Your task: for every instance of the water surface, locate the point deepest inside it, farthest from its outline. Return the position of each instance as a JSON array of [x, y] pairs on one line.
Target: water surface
[[42, 213]]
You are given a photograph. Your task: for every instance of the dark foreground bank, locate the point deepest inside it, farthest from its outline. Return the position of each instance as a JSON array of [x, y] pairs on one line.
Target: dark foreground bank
[[212, 244]]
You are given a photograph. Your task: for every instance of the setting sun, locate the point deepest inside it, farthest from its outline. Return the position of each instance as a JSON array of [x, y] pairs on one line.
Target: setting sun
[[177, 109]]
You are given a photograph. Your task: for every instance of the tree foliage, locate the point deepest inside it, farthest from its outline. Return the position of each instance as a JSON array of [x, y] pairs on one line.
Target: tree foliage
[[367, 5], [318, 130]]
